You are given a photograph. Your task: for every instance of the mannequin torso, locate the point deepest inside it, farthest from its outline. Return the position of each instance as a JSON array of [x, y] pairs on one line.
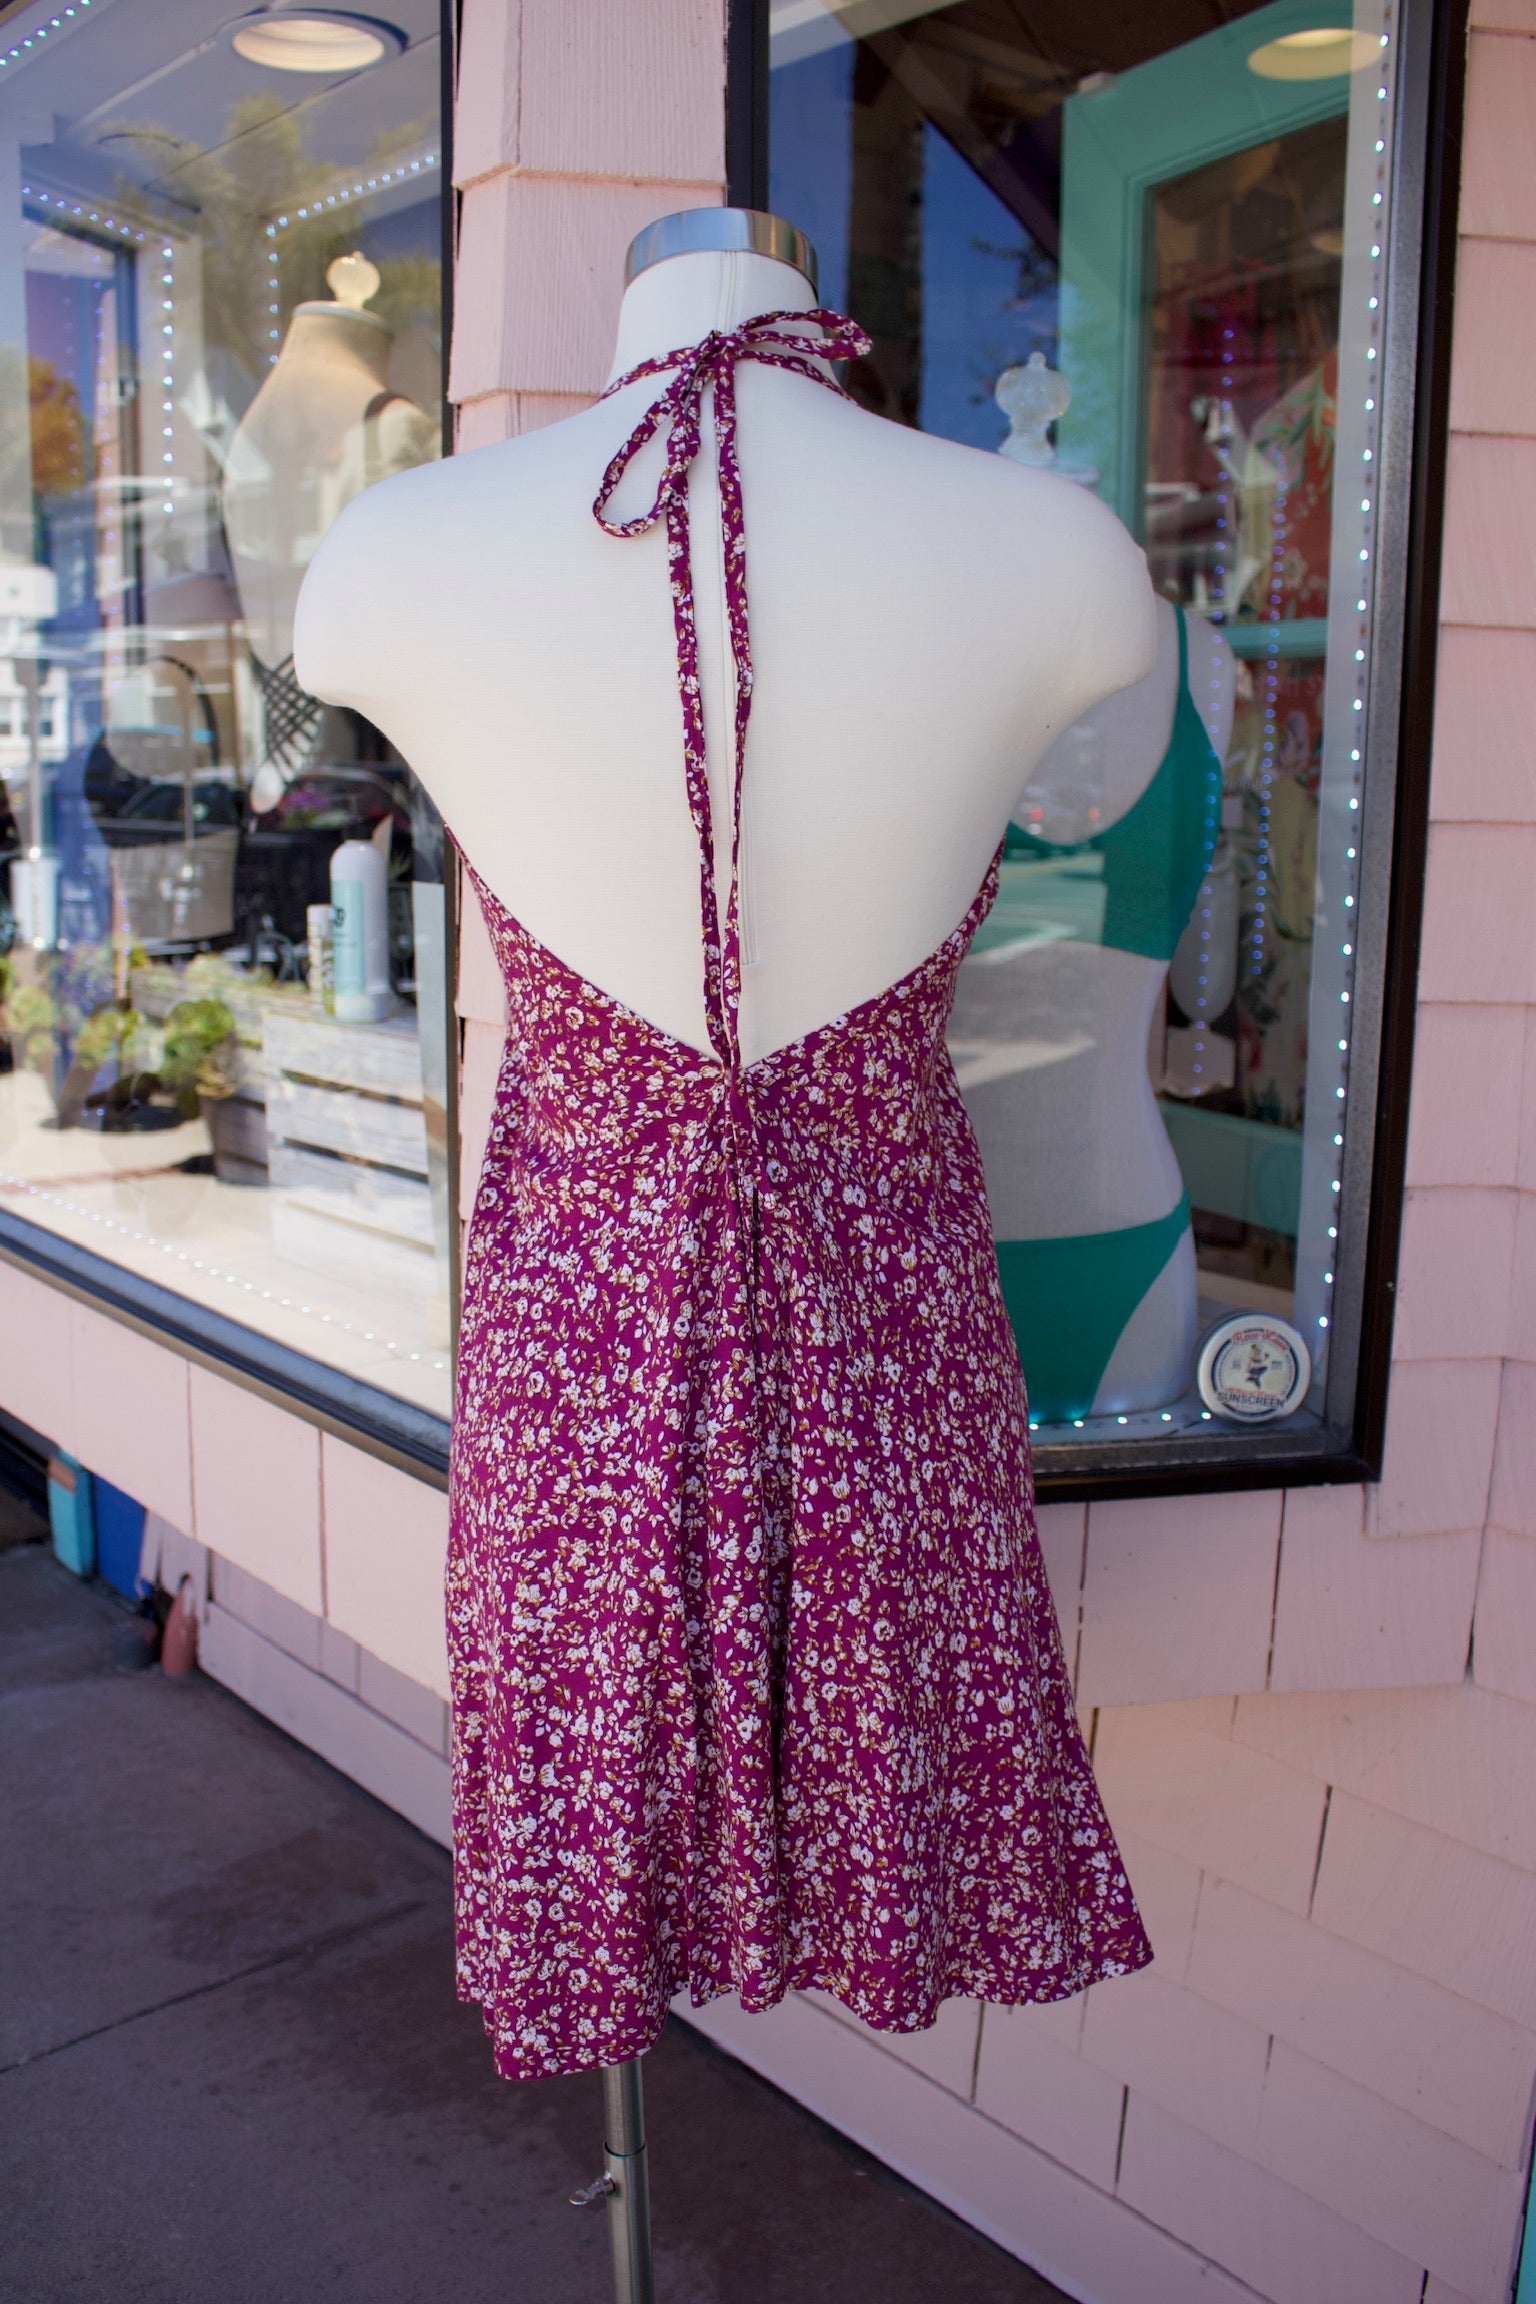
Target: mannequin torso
[[1065, 1111], [298, 455], [925, 621], [1093, 1153]]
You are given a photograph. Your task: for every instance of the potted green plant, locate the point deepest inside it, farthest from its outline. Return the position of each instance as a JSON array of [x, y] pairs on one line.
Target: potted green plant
[[191, 1072]]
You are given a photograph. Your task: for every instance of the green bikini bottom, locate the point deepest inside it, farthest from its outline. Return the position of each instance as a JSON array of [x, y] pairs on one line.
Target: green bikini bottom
[[1069, 1301]]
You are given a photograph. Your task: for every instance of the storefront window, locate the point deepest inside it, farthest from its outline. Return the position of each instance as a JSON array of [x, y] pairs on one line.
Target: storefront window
[[1153, 256], [225, 996]]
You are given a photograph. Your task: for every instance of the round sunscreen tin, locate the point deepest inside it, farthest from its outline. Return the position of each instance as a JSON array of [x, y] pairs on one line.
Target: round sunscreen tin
[[1253, 1368]]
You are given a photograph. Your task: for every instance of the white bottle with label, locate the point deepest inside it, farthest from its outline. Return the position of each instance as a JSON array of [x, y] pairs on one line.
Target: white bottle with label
[[360, 932]]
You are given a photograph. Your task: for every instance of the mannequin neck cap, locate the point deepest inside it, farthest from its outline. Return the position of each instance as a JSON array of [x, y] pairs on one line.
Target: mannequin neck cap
[[747, 231]]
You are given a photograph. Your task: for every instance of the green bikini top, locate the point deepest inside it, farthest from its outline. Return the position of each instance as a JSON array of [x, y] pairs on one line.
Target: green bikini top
[[1133, 887]]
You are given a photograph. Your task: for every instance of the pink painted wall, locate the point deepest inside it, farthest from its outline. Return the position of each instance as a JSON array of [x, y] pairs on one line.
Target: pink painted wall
[[347, 1539], [1314, 1714], [578, 122]]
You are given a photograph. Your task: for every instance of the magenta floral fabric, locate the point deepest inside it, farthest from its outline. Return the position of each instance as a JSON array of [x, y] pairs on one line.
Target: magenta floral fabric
[[757, 1683]]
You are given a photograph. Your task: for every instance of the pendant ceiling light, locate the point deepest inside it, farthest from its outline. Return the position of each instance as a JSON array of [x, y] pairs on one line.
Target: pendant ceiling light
[[1321, 54], [314, 40]]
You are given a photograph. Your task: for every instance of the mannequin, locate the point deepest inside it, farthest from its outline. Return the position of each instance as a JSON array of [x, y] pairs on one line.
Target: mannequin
[[1051, 1029], [323, 427], [926, 619]]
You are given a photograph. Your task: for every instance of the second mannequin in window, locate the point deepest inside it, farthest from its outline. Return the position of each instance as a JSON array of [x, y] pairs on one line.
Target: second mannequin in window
[[1109, 847]]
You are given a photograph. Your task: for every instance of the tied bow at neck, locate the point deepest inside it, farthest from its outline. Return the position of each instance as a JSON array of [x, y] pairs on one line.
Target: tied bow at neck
[[775, 340]]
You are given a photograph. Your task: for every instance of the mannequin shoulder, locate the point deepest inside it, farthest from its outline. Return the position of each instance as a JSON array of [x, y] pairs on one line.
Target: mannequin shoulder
[[423, 508], [420, 503], [1042, 523], [385, 560], [1040, 548], [1076, 571]]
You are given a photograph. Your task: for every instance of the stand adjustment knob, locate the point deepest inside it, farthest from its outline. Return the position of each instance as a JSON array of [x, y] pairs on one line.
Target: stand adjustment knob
[[590, 2194]]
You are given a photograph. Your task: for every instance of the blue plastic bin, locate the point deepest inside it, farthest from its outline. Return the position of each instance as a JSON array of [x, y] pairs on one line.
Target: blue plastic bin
[[119, 1536], [70, 1515]]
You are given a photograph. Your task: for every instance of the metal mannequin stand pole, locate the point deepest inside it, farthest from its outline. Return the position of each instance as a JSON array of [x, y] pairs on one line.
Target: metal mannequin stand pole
[[624, 2184]]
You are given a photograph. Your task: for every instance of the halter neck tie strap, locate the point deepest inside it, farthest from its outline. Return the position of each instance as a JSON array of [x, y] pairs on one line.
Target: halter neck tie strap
[[775, 340]]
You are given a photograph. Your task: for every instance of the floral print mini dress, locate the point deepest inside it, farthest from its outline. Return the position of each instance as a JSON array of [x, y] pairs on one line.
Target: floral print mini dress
[[757, 1683]]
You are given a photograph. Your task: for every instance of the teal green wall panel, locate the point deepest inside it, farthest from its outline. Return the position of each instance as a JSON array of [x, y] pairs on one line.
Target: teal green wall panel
[[1179, 112]]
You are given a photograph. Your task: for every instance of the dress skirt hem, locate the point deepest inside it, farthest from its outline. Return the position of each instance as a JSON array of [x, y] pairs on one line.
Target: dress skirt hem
[[1060, 1983]]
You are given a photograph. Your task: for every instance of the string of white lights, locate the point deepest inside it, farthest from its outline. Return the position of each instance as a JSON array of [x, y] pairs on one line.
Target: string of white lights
[[36, 37], [1201, 1019], [167, 302], [360, 188], [1367, 381], [63, 206]]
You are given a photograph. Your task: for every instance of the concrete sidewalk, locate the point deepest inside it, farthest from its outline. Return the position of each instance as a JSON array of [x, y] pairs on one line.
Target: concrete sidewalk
[[232, 2069]]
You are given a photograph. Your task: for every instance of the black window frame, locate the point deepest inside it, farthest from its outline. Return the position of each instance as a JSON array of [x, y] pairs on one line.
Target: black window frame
[[1347, 1445]]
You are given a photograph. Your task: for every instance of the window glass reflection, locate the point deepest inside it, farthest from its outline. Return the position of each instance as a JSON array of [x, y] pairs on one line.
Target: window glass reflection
[[225, 988], [1145, 253]]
